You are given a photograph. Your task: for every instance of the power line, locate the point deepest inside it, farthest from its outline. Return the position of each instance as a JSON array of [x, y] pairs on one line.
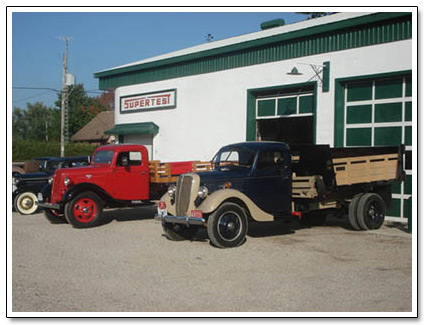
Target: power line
[[20, 100], [58, 91]]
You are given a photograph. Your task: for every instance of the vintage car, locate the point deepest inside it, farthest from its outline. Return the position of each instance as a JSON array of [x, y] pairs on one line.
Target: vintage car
[[27, 186], [265, 181]]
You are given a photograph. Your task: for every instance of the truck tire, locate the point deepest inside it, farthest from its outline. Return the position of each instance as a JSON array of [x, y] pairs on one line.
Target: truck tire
[[26, 203], [371, 211], [227, 226], [84, 211], [178, 232], [53, 217], [352, 213]]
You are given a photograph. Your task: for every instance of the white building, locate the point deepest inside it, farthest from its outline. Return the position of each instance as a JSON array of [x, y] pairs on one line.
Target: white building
[[344, 80]]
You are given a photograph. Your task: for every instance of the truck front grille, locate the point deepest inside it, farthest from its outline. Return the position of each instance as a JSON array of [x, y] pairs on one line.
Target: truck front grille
[[184, 189]]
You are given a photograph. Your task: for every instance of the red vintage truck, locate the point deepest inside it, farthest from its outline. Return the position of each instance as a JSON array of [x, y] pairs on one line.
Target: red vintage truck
[[118, 176]]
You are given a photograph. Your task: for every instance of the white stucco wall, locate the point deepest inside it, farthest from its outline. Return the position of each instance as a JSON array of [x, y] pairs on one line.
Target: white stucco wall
[[211, 108]]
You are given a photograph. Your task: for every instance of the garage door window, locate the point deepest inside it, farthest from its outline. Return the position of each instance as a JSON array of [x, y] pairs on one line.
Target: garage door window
[[280, 117], [379, 113]]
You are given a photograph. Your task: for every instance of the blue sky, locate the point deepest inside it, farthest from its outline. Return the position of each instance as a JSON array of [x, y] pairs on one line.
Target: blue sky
[[107, 39]]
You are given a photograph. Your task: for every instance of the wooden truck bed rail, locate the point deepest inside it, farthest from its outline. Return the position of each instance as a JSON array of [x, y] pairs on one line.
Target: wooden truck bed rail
[[169, 172], [350, 171], [303, 187], [365, 169]]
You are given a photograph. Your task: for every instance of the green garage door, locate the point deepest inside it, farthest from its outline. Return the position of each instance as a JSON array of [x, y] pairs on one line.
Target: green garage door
[[378, 112]]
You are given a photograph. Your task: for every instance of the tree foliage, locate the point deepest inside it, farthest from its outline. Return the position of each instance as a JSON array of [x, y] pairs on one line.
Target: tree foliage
[[83, 108], [37, 122]]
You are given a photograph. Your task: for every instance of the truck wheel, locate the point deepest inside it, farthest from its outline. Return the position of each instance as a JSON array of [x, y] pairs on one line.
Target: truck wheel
[[371, 211], [227, 226], [177, 232], [352, 213], [53, 216], [84, 211], [26, 203]]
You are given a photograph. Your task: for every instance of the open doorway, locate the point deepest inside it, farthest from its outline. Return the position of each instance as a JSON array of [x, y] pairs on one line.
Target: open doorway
[[292, 130]]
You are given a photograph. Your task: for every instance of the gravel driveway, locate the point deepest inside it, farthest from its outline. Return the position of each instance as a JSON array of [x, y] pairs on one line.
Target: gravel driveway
[[127, 265]]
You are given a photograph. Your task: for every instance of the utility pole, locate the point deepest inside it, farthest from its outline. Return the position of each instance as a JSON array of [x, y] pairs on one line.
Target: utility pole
[[64, 101]]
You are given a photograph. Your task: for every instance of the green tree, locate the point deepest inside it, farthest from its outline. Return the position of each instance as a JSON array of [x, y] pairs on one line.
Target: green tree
[[18, 124], [32, 123], [81, 107]]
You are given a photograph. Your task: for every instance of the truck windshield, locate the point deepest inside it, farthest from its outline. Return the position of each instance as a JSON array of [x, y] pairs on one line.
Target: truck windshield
[[233, 158], [103, 157]]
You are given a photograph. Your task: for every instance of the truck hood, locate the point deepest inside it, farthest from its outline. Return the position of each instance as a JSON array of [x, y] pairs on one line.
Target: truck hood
[[84, 170], [33, 176], [216, 179]]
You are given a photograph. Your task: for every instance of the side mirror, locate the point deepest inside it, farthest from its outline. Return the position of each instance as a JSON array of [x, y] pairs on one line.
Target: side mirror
[[124, 161]]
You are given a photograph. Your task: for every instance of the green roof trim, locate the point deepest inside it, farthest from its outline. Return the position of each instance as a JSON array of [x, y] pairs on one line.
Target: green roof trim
[[134, 128], [350, 33]]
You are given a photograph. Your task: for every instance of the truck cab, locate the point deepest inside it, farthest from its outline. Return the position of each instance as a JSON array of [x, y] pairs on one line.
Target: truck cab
[[118, 175]]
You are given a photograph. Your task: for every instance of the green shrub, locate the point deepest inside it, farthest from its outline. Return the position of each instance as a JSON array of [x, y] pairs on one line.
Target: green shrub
[[23, 150]]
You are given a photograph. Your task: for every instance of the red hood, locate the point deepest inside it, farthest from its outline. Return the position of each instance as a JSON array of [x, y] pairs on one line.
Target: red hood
[[97, 168]]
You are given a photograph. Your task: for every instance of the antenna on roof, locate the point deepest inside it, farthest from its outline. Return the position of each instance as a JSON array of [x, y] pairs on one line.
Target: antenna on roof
[[209, 38]]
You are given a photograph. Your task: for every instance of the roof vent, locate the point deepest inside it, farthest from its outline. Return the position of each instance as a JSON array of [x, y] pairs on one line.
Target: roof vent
[[272, 23]]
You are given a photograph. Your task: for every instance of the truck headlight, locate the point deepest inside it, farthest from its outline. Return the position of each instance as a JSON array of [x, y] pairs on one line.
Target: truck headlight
[[15, 180], [66, 181], [203, 192], [50, 180], [172, 190]]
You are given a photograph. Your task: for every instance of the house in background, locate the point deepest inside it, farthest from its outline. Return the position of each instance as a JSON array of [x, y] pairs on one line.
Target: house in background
[[94, 131]]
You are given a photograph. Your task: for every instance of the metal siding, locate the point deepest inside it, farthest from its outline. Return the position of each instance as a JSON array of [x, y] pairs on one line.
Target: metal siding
[[352, 38]]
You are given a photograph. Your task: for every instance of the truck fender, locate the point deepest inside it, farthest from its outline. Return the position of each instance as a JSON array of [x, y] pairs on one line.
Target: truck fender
[[85, 187], [213, 201]]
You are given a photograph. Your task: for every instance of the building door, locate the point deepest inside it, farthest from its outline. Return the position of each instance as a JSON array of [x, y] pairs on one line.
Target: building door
[[286, 117], [378, 112]]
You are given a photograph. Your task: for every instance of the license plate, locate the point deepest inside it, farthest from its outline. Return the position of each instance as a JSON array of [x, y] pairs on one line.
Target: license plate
[[197, 214], [162, 209]]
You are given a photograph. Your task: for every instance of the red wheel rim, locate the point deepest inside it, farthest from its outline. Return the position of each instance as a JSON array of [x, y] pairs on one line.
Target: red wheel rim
[[85, 210]]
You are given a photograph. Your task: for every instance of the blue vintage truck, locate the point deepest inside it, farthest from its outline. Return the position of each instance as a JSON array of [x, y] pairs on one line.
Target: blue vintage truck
[[263, 181]]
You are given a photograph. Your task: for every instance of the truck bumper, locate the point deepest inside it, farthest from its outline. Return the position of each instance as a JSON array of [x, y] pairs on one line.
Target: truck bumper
[[189, 221], [46, 205]]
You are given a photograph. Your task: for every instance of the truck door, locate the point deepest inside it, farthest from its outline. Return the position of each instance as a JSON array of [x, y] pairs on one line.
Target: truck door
[[130, 177], [272, 182]]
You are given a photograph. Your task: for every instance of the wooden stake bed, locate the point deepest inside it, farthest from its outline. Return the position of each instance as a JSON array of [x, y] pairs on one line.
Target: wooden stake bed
[[365, 169], [304, 187], [169, 172], [350, 171]]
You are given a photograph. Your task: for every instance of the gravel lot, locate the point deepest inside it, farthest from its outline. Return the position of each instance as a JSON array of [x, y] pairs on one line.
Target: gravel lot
[[127, 265]]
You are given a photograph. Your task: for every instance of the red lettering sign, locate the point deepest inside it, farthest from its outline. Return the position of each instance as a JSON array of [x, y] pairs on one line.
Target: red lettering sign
[[158, 100]]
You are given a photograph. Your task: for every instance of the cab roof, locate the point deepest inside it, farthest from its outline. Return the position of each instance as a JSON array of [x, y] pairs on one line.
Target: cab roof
[[257, 145]]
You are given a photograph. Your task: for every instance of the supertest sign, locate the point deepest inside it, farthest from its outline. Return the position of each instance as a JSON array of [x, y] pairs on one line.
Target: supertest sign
[[148, 101]]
